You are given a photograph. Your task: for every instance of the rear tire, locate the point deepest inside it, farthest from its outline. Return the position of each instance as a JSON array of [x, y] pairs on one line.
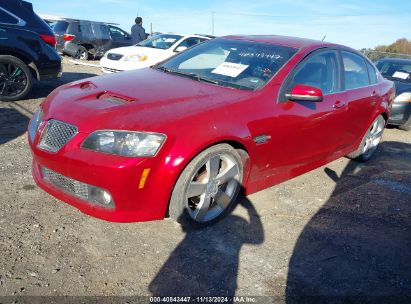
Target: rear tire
[[82, 53], [16, 79], [370, 141], [406, 126], [208, 187]]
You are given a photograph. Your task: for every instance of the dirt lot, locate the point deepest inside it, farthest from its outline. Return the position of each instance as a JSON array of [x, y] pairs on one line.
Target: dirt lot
[[341, 230]]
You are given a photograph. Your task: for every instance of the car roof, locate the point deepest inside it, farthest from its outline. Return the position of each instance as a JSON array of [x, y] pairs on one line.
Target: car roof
[[397, 60], [83, 20], [294, 42]]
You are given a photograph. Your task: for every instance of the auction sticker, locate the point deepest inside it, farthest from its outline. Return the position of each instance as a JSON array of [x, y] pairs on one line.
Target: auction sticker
[[230, 69], [401, 75]]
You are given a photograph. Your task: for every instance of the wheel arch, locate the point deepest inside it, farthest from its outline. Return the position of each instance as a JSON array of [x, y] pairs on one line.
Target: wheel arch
[[236, 143], [26, 59]]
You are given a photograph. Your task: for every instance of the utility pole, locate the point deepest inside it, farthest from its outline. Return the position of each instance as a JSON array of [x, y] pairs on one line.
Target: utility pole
[[151, 28], [212, 22]]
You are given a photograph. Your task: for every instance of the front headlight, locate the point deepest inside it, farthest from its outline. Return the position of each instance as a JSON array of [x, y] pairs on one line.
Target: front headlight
[[404, 97], [124, 143], [35, 123], [135, 58]]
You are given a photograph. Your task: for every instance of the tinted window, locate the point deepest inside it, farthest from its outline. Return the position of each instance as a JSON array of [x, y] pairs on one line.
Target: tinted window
[[101, 31], [355, 71], [85, 29], [7, 18], [372, 73], [320, 71], [189, 42], [160, 41], [116, 33], [60, 27]]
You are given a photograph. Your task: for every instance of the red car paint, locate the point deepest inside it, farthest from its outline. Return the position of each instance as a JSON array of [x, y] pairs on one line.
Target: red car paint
[[195, 115]]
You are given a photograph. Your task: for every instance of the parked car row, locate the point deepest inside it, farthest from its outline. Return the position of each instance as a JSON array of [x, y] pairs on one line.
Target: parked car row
[[399, 71], [148, 52], [27, 50], [84, 39]]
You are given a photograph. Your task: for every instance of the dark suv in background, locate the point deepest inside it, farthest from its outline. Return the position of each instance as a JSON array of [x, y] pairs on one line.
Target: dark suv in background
[[27, 50], [83, 39]]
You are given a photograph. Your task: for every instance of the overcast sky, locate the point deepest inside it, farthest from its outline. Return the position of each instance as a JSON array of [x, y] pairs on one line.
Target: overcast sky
[[356, 23]]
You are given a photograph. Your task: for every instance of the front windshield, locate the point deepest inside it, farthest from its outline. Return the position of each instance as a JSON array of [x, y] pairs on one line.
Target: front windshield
[[395, 70], [232, 63], [160, 41]]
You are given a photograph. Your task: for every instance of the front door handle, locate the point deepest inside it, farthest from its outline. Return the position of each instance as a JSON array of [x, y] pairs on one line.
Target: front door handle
[[339, 105]]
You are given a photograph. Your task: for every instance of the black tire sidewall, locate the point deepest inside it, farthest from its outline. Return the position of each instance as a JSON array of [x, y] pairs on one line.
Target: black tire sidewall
[[16, 61], [178, 204]]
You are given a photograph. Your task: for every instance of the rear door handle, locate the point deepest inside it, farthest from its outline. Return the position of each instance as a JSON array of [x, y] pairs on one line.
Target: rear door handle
[[339, 105]]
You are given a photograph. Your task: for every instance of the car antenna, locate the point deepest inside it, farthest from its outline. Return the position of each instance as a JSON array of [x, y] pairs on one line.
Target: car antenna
[[324, 37]]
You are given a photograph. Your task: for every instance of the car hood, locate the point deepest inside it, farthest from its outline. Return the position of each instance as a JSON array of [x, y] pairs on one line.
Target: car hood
[[146, 100], [402, 87], [134, 50]]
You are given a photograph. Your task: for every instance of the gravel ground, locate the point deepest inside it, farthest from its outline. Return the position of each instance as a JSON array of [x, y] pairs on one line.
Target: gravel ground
[[341, 230]]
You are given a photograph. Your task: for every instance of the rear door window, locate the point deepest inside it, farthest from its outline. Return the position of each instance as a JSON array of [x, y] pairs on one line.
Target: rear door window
[[60, 27], [372, 73], [355, 71]]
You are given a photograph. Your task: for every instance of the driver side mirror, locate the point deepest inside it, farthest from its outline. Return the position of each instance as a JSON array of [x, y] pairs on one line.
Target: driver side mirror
[[302, 92], [180, 49]]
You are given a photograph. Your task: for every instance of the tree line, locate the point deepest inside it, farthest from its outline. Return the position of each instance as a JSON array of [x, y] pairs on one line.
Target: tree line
[[399, 49]]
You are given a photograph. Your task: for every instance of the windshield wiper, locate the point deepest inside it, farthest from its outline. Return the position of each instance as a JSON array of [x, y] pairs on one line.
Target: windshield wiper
[[161, 68], [194, 76], [190, 75]]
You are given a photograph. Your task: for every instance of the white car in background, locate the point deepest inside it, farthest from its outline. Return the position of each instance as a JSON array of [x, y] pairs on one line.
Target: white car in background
[[148, 52]]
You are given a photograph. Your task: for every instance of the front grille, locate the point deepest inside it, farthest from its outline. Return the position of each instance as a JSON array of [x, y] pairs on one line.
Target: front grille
[[55, 135], [113, 56], [66, 184], [108, 70]]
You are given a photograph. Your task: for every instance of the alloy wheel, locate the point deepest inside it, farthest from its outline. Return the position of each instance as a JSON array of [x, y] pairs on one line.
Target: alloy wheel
[[373, 137], [213, 187], [13, 80]]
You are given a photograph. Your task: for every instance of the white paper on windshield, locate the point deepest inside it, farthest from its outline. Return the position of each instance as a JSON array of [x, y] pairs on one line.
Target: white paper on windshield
[[401, 75], [170, 40], [230, 69]]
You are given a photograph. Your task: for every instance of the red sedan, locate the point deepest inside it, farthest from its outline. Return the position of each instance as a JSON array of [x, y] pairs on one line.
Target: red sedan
[[182, 138]]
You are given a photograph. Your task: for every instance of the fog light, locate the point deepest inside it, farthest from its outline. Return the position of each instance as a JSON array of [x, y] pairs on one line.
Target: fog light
[[106, 197], [100, 196]]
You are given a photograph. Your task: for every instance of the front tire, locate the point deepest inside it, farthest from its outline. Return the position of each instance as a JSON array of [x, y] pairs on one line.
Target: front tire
[[16, 79], [370, 141], [208, 187]]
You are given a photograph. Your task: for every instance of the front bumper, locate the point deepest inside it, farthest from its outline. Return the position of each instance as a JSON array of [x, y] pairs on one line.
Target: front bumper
[[400, 113], [113, 66], [120, 176]]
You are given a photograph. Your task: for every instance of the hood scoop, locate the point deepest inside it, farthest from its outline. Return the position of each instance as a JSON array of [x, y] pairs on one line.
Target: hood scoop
[[114, 98]]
